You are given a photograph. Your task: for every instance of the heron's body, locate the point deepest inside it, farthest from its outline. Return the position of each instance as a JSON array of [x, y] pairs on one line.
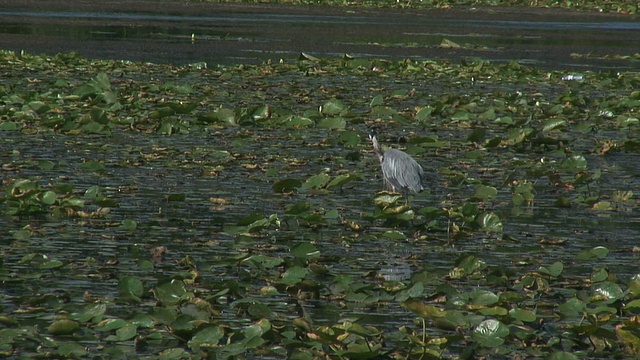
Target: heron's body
[[400, 171]]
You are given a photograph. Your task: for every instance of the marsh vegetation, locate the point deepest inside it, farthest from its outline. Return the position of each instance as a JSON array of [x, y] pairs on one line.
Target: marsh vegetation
[[204, 211]]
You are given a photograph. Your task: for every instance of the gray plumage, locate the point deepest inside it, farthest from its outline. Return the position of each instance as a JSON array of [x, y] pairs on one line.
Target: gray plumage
[[399, 170]]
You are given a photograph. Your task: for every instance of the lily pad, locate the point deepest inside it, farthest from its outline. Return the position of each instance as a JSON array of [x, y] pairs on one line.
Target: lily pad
[[490, 333], [63, 327]]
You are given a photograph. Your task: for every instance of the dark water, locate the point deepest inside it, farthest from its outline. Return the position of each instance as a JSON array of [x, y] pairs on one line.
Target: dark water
[[237, 35]]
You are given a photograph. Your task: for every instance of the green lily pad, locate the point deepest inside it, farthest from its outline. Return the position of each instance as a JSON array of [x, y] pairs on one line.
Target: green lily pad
[[298, 208], [127, 332], [633, 285], [259, 311], [110, 324], [221, 115], [523, 315], [554, 270], [572, 308], [294, 275], [594, 253], [130, 288], [171, 292], [263, 261], [315, 182], [63, 327], [9, 126], [93, 165], [207, 337], [51, 264], [607, 290], [128, 225], [332, 107], [332, 123], [298, 122], [490, 333], [489, 222], [423, 310], [93, 312], [340, 180], [554, 124], [394, 235], [575, 163], [286, 185], [483, 297], [48, 197], [305, 251], [561, 355], [350, 138], [173, 354], [486, 192], [72, 350]]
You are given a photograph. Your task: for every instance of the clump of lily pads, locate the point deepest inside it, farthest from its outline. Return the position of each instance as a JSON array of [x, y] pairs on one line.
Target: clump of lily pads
[[155, 242]]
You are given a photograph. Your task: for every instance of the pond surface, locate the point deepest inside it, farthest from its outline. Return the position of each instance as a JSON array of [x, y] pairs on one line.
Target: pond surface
[[142, 169], [195, 227], [241, 164], [245, 33]]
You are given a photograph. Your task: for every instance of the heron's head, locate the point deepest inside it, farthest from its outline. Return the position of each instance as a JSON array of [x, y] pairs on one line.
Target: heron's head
[[372, 134]]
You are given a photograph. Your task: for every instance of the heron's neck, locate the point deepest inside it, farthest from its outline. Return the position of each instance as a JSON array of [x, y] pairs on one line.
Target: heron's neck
[[377, 149]]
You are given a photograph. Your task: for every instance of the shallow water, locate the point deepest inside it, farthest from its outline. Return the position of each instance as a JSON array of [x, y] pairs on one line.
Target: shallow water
[[140, 182], [194, 227]]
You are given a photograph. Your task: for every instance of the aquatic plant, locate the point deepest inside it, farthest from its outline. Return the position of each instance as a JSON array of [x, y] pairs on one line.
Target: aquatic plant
[[199, 212]]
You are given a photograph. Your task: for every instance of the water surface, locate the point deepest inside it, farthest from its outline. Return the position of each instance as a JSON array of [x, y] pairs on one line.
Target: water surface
[[227, 34]]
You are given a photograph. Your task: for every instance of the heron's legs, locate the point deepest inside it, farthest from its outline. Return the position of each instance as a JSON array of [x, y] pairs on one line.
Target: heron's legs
[[405, 194]]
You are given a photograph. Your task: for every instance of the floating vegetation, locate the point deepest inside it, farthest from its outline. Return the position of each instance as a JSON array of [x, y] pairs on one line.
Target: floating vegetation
[[230, 212], [623, 7]]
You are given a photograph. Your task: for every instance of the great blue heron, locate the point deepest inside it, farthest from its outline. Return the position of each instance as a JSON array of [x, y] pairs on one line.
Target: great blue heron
[[399, 170]]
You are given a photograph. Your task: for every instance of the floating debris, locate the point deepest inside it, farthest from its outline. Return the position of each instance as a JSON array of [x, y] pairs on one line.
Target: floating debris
[[572, 77]]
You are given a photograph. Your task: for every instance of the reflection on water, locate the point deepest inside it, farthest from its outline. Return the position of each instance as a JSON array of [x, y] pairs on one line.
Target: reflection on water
[[328, 20], [229, 37]]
